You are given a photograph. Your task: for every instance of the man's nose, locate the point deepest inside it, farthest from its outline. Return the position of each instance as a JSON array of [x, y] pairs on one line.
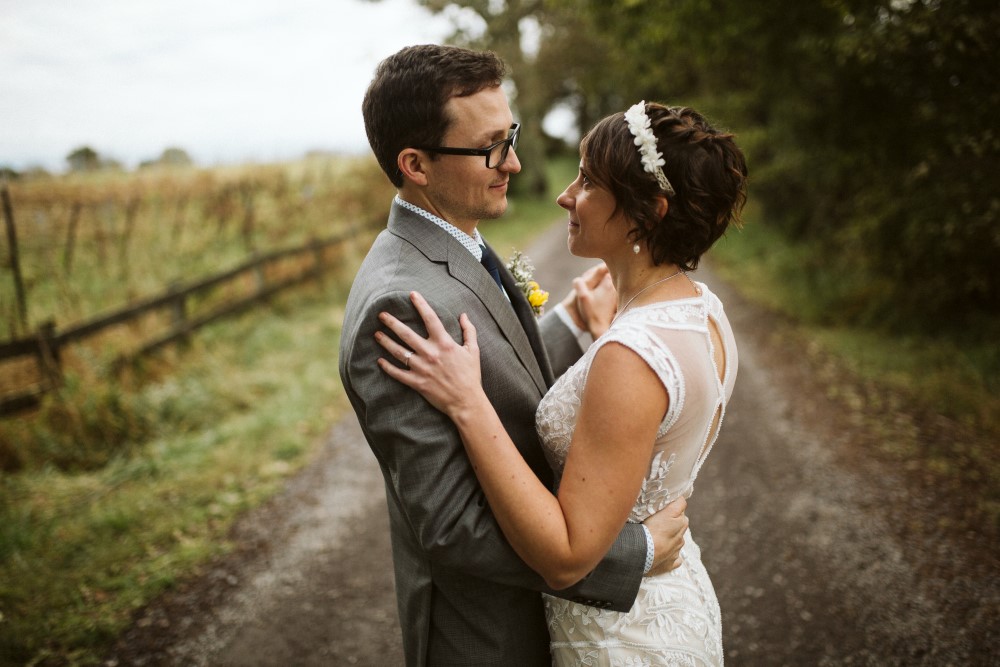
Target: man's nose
[[511, 164]]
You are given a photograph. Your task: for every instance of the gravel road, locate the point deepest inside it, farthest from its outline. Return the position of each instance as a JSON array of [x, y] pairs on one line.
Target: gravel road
[[803, 534]]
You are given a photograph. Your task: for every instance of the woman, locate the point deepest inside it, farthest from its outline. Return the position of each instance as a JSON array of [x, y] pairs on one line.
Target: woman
[[629, 426]]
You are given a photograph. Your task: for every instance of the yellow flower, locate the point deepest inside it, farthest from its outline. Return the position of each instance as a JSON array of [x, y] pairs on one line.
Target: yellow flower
[[521, 269], [537, 297]]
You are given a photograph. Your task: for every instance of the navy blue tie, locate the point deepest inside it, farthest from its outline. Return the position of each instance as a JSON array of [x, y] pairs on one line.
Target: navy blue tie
[[491, 266]]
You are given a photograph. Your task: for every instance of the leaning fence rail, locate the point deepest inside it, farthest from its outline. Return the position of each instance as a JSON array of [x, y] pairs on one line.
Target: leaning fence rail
[[46, 344]]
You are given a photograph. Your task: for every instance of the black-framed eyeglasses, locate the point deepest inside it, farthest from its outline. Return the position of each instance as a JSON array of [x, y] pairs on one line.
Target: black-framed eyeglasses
[[496, 154]]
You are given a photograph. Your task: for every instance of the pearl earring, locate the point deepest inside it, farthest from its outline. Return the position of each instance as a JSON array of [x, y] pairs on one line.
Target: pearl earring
[[635, 248]]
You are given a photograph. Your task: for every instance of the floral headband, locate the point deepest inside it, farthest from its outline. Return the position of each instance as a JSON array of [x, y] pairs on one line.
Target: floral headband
[[652, 159]]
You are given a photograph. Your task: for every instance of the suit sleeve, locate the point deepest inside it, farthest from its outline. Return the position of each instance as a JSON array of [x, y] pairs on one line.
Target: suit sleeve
[[561, 345], [430, 476]]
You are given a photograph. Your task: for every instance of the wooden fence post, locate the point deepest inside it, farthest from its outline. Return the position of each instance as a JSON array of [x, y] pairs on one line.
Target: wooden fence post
[[131, 210], [178, 220], [178, 312], [246, 192], [259, 275], [74, 221], [15, 257], [318, 261], [101, 233], [49, 362]]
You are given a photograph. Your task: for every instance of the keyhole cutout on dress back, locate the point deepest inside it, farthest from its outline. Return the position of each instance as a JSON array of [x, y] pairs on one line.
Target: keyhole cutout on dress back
[[719, 356], [718, 348]]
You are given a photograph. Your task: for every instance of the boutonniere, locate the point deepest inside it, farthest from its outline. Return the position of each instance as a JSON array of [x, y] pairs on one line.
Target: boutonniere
[[521, 268]]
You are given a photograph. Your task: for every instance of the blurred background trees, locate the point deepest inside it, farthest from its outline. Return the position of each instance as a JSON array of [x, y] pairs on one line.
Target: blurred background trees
[[170, 157], [871, 127], [83, 158]]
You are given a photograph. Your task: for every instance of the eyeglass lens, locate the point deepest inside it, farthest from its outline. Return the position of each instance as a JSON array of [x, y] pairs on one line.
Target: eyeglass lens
[[499, 153]]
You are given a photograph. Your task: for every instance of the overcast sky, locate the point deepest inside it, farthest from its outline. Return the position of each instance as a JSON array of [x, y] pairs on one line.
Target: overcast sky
[[225, 80]]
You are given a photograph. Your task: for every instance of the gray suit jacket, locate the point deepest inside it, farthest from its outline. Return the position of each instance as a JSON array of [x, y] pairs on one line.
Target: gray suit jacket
[[464, 596]]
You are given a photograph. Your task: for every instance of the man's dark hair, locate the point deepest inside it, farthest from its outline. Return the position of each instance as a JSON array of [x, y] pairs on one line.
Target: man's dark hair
[[404, 104]]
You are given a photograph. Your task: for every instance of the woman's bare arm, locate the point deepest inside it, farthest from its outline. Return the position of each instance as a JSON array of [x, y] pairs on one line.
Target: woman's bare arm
[[562, 538]]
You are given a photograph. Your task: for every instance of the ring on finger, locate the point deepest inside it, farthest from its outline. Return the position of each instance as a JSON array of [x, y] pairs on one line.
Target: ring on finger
[[406, 358]]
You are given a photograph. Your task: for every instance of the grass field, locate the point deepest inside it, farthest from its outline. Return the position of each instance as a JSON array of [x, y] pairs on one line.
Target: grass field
[[90, 242], [215, 429]]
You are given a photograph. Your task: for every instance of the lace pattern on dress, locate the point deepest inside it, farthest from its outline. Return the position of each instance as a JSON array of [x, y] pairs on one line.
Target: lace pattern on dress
[[675, 619], [557, 414]]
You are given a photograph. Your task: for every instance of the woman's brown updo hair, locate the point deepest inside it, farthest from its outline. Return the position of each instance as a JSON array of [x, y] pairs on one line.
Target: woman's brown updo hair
[[705, 167]]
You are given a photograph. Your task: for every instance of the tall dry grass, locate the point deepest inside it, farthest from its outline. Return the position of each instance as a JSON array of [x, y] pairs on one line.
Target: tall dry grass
[[94, 241], [90, 243]]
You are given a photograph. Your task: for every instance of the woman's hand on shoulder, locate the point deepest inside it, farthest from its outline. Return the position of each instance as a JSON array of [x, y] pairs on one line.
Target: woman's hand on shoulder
[[443, 371]]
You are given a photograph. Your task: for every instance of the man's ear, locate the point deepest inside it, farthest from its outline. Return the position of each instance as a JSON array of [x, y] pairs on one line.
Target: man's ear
[[412, 164], [662, 206]]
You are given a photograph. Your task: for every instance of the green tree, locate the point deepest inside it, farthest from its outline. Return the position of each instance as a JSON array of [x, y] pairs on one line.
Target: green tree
[[84, 158], [870, 127], [175, 157], [927, 104]]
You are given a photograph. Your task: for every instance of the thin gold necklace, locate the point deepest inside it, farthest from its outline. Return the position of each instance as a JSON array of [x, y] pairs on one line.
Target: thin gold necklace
[[633, 297]]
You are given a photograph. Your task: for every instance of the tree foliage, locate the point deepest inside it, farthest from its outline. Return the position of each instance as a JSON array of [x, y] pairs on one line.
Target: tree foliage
[[83, 158], [870, 125], [170, 157], [86, 158], [175, 157], [871, 128]]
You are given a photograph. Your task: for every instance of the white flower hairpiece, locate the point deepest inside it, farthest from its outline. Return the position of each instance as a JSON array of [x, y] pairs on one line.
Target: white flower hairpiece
[[652, 159]]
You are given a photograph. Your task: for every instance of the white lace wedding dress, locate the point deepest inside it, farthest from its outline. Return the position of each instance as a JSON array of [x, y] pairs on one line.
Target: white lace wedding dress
[[675, 619]]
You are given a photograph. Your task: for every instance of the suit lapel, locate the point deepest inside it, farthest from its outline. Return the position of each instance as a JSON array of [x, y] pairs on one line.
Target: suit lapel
[[439, 247], [526, 315]]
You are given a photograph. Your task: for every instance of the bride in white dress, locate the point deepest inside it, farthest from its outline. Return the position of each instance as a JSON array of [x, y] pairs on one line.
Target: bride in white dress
[[628, 427]]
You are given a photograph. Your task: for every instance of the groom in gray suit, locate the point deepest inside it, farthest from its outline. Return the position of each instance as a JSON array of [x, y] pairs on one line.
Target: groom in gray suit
[[439, 124]]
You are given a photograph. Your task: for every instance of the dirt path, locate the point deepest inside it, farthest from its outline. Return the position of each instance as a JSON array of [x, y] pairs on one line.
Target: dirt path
[[800, 533]]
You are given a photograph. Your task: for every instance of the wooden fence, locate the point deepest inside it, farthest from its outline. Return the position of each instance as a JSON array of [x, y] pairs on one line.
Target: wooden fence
[[45, 347]]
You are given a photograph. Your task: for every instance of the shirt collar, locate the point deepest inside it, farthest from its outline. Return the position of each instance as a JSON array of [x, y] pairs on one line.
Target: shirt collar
[[472, 243]]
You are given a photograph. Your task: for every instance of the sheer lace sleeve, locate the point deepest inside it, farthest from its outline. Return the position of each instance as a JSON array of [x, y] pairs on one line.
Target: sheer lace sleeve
[[652, 349]]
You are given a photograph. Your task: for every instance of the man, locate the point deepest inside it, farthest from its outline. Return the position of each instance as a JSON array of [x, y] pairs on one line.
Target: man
[[440, 125]]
